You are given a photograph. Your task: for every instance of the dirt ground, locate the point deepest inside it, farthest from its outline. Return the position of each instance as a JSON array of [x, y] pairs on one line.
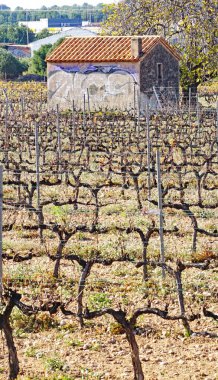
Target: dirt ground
[[96, 353]]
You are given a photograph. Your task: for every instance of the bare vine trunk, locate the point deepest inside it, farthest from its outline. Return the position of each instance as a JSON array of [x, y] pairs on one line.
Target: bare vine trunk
[[178, 278], [137, 366], [12, 351], [58, 260], [84, 275]]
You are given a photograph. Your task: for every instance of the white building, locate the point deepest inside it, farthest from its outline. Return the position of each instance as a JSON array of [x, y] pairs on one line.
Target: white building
[[36, 26], [72, 32]]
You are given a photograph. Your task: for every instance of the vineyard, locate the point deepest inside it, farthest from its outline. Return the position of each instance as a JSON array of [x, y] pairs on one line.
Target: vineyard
[[109, 242]]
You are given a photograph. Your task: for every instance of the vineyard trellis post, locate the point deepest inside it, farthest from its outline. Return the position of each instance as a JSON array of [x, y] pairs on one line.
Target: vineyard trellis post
[[84, 111], [58, 139], [198, 114], [158, 99], [160, 207], [38, 178], [139, 112], [88, 100], [1, 206], [176, 102], [134, 100], [148, 150], [189, 104], [37, 164], [217, 122], [73, 127], [6, 130], [22, 103]]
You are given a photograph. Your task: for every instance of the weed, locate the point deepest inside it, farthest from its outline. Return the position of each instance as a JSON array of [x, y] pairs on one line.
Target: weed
[[96, 346], [205, 254], [98, 301], [25, 324], [22, 323], [54, 364], [88, 374], [75, 343], [115, 328], [31, 352]]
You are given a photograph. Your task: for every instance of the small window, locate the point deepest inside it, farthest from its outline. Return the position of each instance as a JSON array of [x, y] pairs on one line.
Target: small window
[[159, 72]]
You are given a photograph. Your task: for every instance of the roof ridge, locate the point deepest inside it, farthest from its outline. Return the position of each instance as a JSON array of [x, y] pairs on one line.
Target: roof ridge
[[129, 36]]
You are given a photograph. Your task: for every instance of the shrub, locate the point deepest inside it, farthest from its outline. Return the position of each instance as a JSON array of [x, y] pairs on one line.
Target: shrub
[[10, 67]]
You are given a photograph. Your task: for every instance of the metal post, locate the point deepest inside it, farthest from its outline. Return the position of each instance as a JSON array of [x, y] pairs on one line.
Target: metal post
[[139, 112], [198, 114], [84, 111], [148, 150], [39, 208], [177, 103], [27, 30], [88, 100], [157, 97], [6, 133], [22, 106], [1, 206], [74, 126], [134, 98], [58, 140], [135, 105], [160, 207], [37, 165], [217, 122], [189, 104]]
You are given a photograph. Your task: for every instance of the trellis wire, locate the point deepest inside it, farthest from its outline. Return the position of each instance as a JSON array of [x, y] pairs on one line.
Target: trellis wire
[[1, 243], [96, 171]]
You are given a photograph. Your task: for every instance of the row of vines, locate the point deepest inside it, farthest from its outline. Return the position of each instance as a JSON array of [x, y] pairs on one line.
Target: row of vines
[[80, 198]]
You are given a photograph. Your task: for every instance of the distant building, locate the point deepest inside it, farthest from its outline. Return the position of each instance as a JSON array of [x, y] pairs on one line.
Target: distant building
[[111, 72], [52, 24], [65, 22], [93, 28], [36, 26], [18, 51], [72, 32]]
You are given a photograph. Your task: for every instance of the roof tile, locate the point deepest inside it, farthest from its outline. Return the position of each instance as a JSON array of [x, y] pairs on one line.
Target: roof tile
[[104, 49]]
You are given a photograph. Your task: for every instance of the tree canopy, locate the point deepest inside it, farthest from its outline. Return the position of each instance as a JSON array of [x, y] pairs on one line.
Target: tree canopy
[[188, 24], [38, 64], [86, 11], [10, 67], [16, 34], [43, 34]]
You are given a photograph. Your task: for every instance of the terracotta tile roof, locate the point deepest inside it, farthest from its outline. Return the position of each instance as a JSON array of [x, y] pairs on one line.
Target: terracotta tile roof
[[104, 49]]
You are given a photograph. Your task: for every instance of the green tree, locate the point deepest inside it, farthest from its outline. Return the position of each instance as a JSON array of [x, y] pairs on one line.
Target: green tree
[[55, 45], [38, 61], [189, 24], [85, 11], [38, 65], [15, 34], [43, 34], [10, 67], [26, 62]]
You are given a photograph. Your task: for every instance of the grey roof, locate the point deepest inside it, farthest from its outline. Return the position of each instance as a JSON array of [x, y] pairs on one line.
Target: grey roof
[[73, 32]]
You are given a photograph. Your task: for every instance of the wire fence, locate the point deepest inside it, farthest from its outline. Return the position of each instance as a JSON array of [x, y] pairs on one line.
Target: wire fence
[[88, 157], [86, 154], [89, 198]]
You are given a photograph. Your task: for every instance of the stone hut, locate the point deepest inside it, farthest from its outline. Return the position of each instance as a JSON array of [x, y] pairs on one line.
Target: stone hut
[[120, 72]]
